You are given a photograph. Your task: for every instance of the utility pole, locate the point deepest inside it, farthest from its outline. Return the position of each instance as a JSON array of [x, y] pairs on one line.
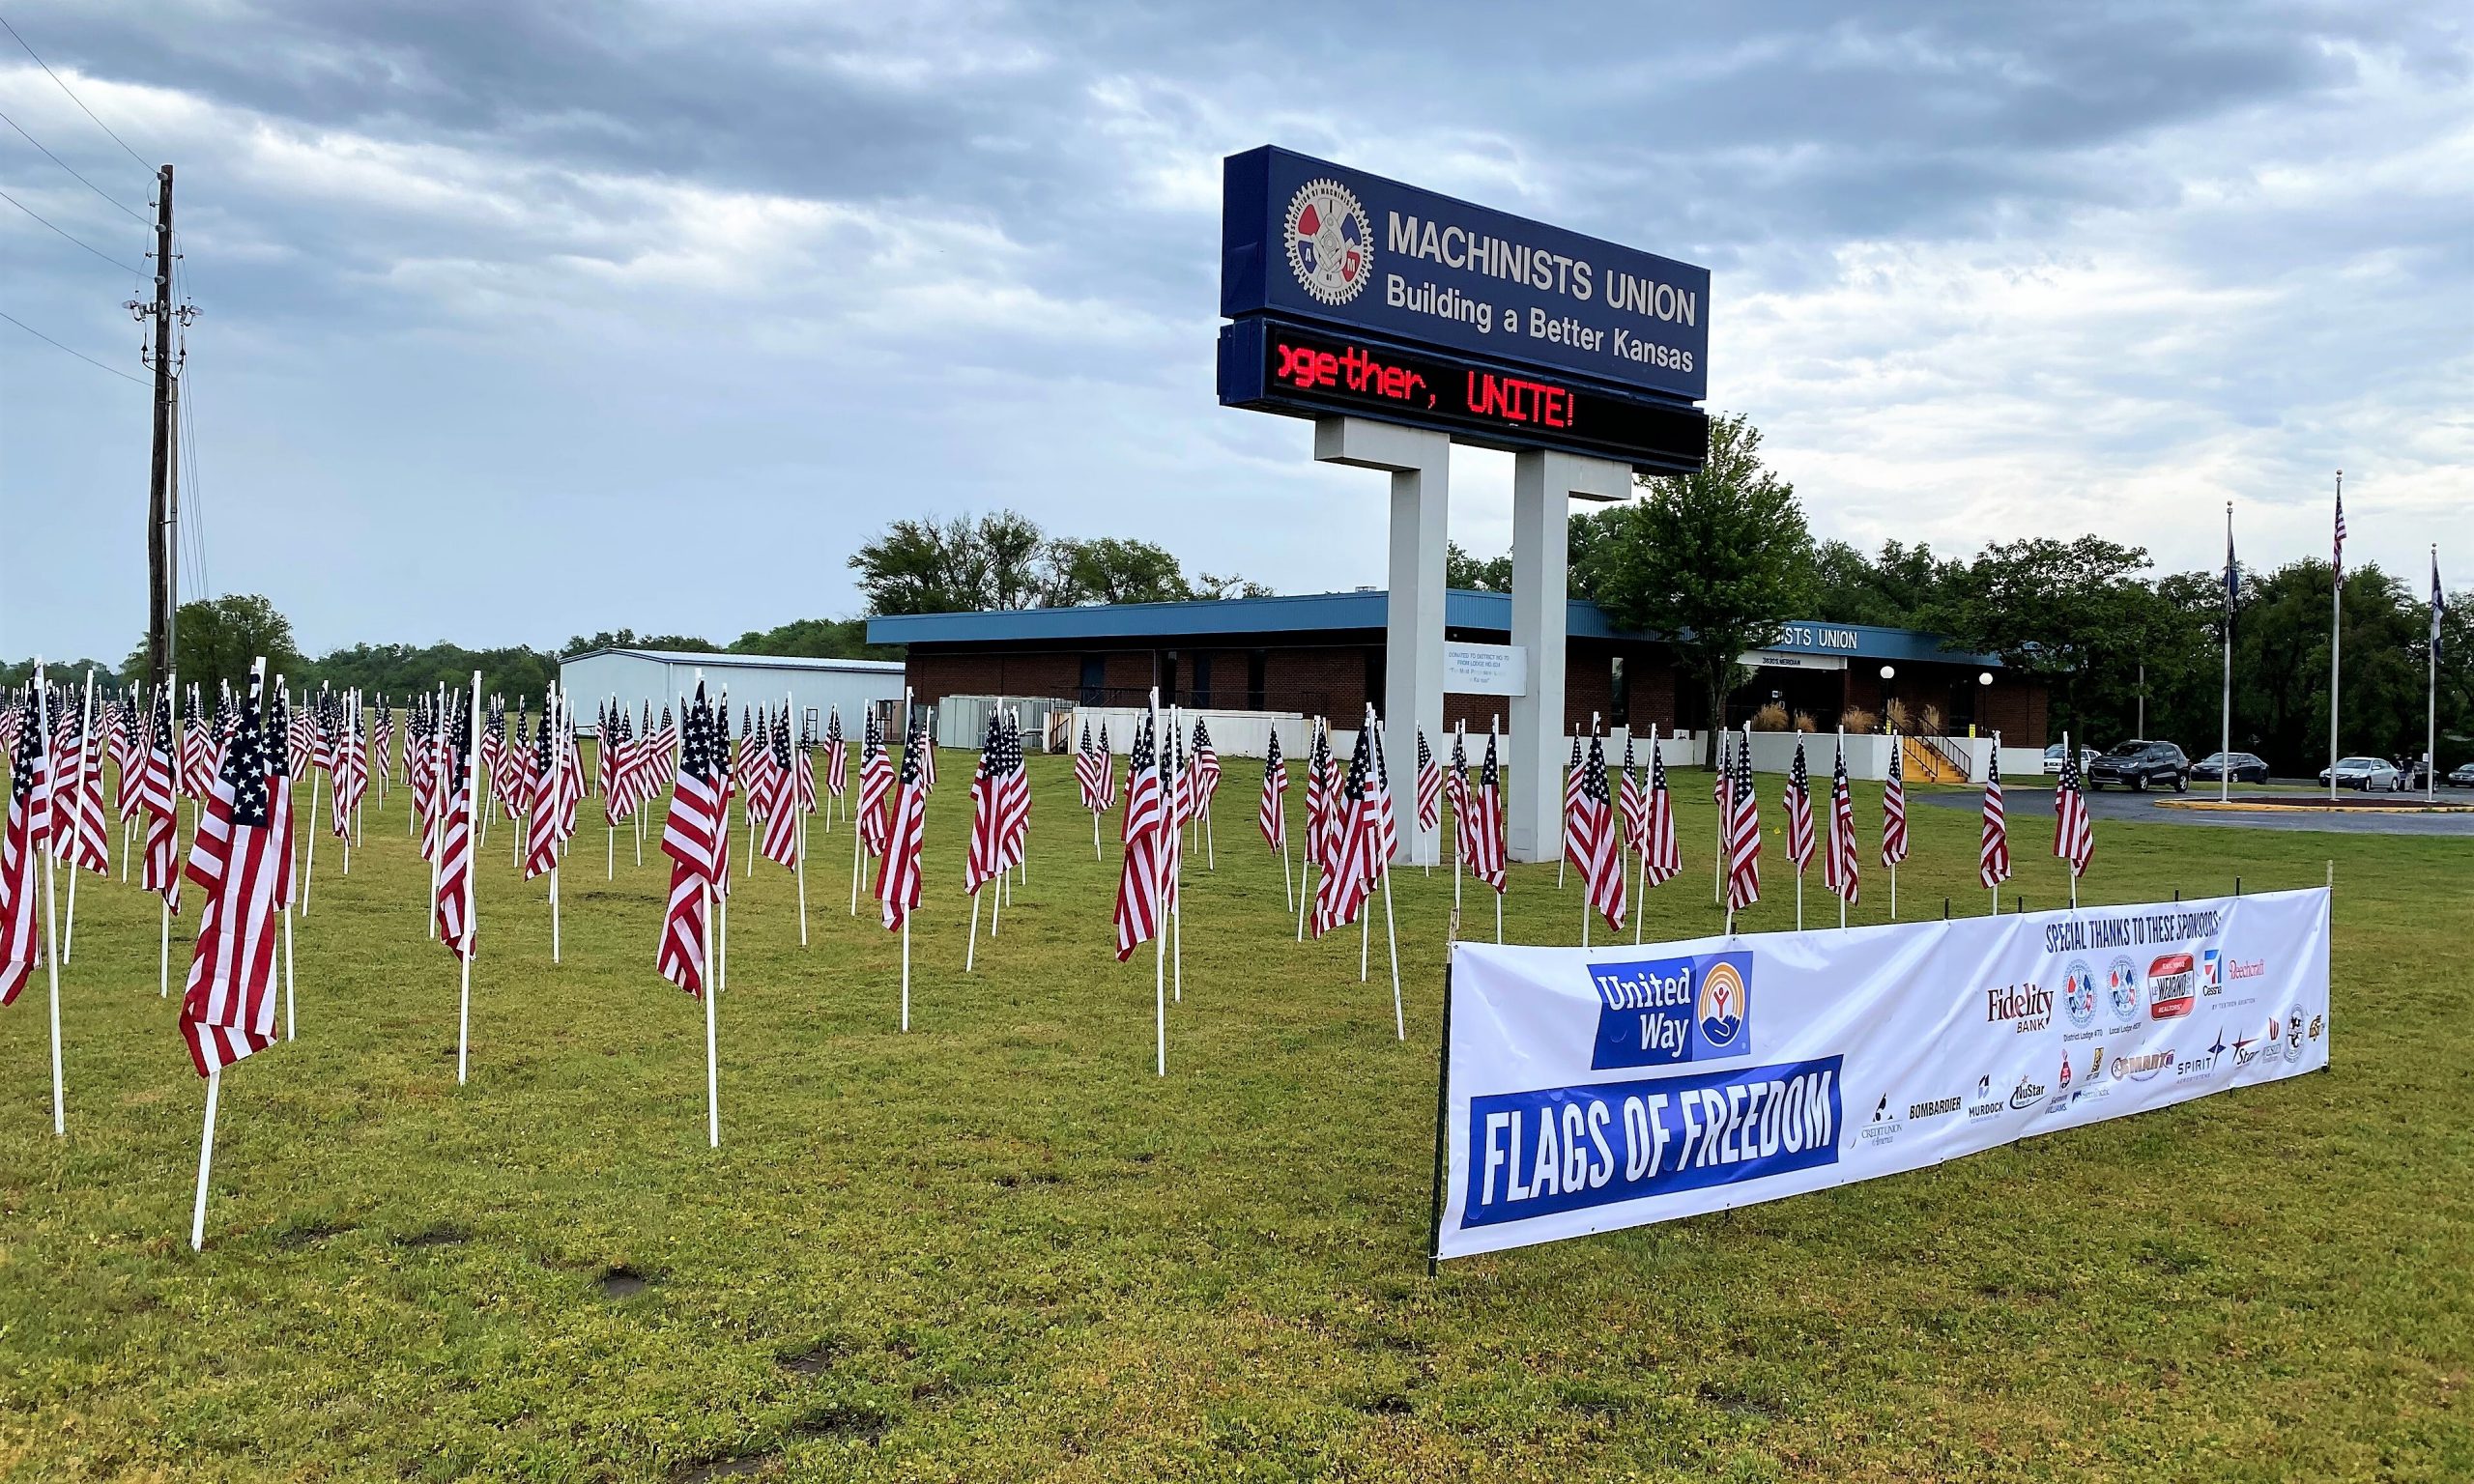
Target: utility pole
[[163, 497]]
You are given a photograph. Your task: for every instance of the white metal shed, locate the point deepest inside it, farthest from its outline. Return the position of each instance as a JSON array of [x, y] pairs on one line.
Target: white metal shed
[[667, 676]]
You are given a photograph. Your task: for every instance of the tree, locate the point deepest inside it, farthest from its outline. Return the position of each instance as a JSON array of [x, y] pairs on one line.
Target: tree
[[217, 639], [629, 639], [1212, 585], [822, 639], [1462, 570], [1715, 560], [1114, 569], [21, 675], [2072, 614], [1893, 590]]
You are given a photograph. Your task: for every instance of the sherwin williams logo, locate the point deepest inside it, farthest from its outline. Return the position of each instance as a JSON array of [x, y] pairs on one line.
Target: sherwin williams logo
[[2172, 988], [1662, 1011], [2024, 1007], [1331, 243]]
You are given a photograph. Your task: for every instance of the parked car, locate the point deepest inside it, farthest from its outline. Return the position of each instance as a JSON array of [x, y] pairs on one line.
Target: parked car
[[2141, 764], [2463, 777], [2364, 772], [2241, 767], [2052, 759]]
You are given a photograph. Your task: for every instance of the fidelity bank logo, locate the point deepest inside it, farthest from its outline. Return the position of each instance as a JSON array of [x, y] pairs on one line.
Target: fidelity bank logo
[[2024, 1007], [1660, 1011], [1331, 242]]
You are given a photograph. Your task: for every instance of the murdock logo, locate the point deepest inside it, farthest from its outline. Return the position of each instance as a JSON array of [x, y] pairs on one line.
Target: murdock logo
[[1331, 243]]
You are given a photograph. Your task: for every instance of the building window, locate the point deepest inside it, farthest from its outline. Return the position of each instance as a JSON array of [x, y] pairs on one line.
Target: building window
[[1202, 680], [1095, 679], [1256, 664], [1619, 695], [1374, 676]]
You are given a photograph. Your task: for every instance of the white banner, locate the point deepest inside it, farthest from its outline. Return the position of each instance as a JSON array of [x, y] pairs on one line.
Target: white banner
[[1485, 669], [1587, 1089]]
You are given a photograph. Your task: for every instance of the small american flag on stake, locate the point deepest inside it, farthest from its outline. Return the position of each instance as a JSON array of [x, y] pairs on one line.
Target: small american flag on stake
[[2074, 835], [1993, 850]]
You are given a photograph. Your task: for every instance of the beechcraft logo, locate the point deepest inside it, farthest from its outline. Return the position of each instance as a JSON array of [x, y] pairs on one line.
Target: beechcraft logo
[[1331, 243]]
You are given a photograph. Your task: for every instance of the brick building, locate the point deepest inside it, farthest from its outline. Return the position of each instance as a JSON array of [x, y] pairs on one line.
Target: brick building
[[1323, 654]]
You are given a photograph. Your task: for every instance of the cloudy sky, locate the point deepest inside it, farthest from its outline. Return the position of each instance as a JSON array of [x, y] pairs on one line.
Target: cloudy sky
[[521, 320]]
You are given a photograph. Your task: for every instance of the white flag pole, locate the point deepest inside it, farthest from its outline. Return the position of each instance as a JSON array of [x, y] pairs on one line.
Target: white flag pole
[[172, 741], [2225, 714], [1565, 804], [1176, 923], [1718, 866], [205, 1161], [2431, 714], [51, 916], [309, 867], [472, 874], [1159, 897], [712, 1056], [2336, 648], [437, 802], [283, 751]]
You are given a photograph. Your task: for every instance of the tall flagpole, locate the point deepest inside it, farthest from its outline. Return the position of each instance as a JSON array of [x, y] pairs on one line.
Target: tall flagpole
[[472, 872], [2430, 713], [2225, 726], [51, 913], [1159, 897], [2336, 630]]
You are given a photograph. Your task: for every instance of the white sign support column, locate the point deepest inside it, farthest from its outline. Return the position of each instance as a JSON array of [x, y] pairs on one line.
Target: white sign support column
[[1541, 485], [1420, 464]]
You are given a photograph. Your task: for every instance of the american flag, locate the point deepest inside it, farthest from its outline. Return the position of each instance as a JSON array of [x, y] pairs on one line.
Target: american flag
[[1271, 815], [1572, 800], [605, 756], [985, 859], [876, 787], [124, 738], [1429, 786], [803, 796], [1387, 823], [1894, 808], [1662, 856], [1743, 843], [78, 809], [451, 764], [726, 784], [227, 1008], [1139, 886], [197, 752], [897, 878], [1206, 770], [1486, 855], [2074, 835], [1992, 852], [385, 740], [519, 762], [1631, 801], [1177, 784], [62, 822], [300, 733], [1173, 786], [692, 838], [2339, 557], [29, 818], [618, 749], [1799, 810], [1455, 791], [1838, 867], [836, 756], [756, 761], [1319, 792], [783, 813], [1601, 853], [350, 770], [277, 714], [1013, 795], [2439, 611], [927, 752], [1355, 859], [542, 811], [1090, 771], [162, 861]]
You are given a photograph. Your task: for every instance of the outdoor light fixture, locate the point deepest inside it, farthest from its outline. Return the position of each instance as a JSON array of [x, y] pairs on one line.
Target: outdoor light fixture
[[1887, 671], [1984, 677]]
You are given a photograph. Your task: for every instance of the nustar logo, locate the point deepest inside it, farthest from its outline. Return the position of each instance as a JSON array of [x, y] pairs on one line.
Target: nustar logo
[[2026, 1007], [2028, 1092], [1331, 243]]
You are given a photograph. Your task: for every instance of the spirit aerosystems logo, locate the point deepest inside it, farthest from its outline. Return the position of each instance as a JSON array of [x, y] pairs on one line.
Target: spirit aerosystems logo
[[1331, 243]]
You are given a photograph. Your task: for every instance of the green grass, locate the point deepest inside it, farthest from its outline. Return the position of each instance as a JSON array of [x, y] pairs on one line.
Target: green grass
[[998, 1247]]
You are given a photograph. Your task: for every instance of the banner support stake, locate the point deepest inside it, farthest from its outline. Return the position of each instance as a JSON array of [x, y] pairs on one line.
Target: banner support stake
[[1442, 1109]]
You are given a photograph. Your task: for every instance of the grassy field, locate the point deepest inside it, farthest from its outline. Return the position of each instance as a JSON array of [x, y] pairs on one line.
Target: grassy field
[[998, 1247]]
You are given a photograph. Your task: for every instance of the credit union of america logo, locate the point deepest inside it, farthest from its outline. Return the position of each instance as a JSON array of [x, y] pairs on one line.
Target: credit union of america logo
[[1331, 243]]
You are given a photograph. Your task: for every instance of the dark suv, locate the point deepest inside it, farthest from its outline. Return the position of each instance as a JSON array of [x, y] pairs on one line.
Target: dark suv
[[2140, 765]]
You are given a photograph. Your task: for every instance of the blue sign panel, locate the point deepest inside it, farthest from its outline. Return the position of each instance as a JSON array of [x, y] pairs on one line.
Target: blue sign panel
[[1307, 239]]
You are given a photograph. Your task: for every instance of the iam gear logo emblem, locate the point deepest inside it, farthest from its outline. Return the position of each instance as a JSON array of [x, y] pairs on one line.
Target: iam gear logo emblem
[[1331, 243]]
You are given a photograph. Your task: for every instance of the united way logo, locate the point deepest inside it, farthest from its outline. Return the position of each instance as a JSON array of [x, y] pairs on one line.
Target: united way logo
[[1660, 1011], [1330, 244], [1721, 1006]]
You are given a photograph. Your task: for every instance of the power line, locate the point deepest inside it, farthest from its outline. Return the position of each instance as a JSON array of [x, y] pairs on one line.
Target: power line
[[57, 346], [73, 98], [65, 165], [193, 518], [89, 246]]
